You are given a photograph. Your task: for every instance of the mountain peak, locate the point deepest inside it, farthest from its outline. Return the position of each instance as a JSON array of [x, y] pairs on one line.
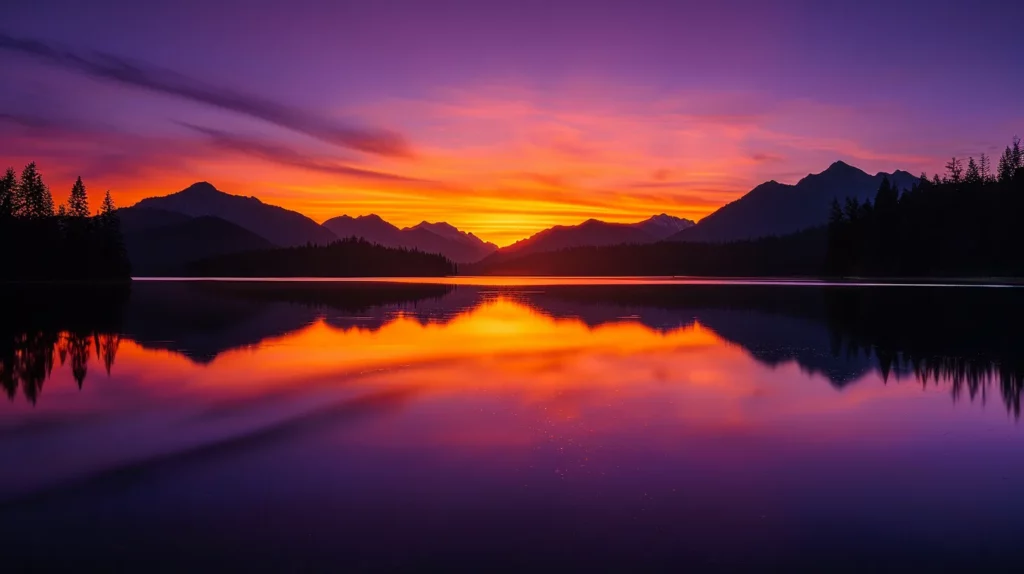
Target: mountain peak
[[839, 173], [663, 225], [428, 237], [276, 224], [840, 168], [666, 219], [201, 188], [435, 226]]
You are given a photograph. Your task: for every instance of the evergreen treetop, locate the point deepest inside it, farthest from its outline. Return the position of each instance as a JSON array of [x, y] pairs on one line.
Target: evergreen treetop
[[34, 198], [8, 194], [78, 201]]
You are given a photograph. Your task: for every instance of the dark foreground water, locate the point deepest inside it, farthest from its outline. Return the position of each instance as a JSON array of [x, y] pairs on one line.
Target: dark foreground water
[[191, 426]]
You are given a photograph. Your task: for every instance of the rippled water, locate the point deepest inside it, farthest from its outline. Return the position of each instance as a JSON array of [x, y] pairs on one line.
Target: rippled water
[[393, 426]]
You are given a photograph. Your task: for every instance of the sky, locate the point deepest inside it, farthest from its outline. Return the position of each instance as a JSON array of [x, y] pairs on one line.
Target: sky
[[502, 118]]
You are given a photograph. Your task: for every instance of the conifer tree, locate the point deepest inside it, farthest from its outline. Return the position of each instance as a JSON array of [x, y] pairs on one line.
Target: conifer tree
[[8, 194], [34, 197], [78, 201], [955, 169], [1006, 165], [887, 196], [107, 208], [973, 174], [112, 250], [985, 167]]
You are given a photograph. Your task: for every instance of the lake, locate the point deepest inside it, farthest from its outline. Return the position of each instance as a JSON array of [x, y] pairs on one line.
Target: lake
[[518, 425]]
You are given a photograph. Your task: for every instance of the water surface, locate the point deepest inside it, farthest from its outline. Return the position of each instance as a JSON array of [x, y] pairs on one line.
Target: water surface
[[374, 426]]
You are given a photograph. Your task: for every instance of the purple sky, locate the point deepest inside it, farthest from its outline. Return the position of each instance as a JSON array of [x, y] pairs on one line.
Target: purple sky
[[500, 117]]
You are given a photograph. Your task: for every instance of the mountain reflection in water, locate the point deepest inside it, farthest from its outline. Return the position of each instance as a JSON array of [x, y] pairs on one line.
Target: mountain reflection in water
[[965, 340], [191, 426]]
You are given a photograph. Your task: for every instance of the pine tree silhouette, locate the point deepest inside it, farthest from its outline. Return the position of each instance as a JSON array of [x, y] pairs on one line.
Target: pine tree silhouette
[[37, 242], [36, 201], [78, 201], [8, 194]]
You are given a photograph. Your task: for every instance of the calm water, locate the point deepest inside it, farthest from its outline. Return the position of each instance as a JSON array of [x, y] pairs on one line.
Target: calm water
[[620, 427]]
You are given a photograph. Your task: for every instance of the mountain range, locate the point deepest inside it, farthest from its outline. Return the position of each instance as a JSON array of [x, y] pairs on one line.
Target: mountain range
[[459, 246], [162, 234], [277, 225], [593, 232], [774, 208]]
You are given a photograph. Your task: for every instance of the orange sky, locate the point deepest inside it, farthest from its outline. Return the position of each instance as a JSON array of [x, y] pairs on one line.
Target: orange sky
[[501, 119], [499, 161]]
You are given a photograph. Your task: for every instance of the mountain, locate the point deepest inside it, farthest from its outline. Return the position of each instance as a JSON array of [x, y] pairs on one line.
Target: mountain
[[593, 232], [799, 254], [663, 225], [350, 257], [474, 248], [442, 238], [278, 225], [774, 208], [166, 249], [137, 219], [370, 227], [447, 231]]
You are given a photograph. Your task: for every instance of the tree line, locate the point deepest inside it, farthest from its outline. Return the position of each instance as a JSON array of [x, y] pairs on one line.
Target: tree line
[[968, 338], [965, 223], [965, 339], [53, 324], [352, 257], [797, 255], [67, 242]]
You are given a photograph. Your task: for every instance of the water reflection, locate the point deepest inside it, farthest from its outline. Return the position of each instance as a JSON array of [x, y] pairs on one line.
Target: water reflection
[[965, 339], [347, 427]]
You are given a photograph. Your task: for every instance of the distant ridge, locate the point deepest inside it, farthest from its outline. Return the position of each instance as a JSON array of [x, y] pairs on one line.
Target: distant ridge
[[443, 238], [594, 232], [167, 249], [278, 225], [774, 208]]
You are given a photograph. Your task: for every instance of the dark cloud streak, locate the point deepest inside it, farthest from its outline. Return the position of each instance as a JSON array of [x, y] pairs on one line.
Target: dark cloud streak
[[287, 156], [114, 69]]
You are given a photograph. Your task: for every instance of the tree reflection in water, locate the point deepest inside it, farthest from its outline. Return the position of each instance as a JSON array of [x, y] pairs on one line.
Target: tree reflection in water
[[966, 338]]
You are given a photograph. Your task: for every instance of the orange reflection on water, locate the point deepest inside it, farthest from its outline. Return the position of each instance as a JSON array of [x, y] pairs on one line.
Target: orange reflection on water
[[499, 374], [505, 347], [490, 334], [499, 346]]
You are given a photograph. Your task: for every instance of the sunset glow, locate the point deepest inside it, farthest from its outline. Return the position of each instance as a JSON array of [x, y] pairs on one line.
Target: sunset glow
[[500, 347], [446, 120]]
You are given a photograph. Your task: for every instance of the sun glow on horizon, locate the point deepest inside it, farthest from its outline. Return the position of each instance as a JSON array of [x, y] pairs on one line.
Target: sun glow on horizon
[[502, 164]]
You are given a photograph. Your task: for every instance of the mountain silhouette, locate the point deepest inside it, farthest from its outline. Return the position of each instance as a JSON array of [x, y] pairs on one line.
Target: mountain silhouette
[[137, 219], [774, 208], [442, 238], [594, 232], [370, 227], [663, 225], [166, 249], [279, 226]]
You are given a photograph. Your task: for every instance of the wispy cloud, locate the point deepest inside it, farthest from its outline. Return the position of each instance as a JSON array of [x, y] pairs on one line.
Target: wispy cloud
[[114, 69], [284, 155], [66, 148], [764, 157]]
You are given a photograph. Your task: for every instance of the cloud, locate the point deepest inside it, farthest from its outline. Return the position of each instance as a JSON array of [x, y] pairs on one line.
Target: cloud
[[765, 157], [117, 70], [26, 121], [66, 148], [287, 156]]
